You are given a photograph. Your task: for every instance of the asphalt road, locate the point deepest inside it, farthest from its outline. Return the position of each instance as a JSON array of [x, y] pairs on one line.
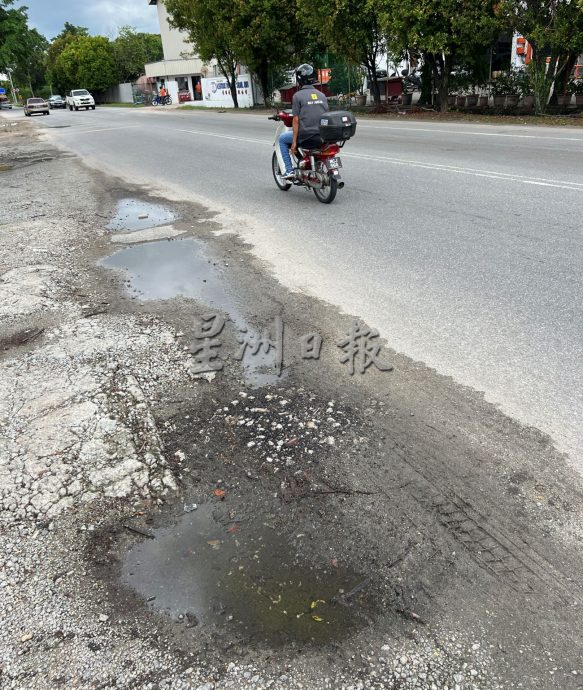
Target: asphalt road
[[462, 244]]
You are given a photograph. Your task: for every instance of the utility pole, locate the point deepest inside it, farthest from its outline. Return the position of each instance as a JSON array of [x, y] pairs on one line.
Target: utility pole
[[9, 70]]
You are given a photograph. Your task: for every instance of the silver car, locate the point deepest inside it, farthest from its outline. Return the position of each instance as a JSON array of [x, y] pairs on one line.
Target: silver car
[[57, 102], [36, 106]]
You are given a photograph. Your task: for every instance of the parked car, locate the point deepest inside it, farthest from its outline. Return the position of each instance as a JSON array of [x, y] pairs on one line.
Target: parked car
[[80, 98], [57, 102], [36, 106], [5, 104]]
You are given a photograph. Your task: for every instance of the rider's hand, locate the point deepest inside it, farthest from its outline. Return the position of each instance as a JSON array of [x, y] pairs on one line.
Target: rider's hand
[[294, 148]]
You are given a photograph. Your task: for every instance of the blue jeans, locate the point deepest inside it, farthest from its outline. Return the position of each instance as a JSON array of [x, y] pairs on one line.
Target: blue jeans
[[285, 142]]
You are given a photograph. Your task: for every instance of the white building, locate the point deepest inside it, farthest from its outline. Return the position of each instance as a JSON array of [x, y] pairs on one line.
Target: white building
[[186, 77]]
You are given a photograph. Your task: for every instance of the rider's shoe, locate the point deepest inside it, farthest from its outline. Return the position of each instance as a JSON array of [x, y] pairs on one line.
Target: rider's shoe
[[291, 175]]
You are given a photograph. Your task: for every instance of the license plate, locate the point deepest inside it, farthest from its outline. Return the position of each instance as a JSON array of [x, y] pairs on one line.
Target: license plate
[[334, 163]]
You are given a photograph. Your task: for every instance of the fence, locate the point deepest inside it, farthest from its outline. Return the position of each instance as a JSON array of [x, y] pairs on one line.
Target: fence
[[142, 94]]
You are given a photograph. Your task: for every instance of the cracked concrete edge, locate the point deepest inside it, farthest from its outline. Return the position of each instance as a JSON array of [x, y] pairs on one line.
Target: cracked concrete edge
[[76, 423]]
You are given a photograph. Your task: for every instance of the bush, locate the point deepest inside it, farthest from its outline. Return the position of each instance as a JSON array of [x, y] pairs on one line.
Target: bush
[[510, 83]]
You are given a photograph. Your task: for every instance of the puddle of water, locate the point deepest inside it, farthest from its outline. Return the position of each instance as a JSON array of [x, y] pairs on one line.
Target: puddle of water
[[168, 269], [209, 571], [134, 214], [163, 270]]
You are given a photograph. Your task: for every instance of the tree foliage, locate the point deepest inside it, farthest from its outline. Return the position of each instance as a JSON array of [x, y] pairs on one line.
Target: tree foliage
[[447, 33], [208, 24], [269, 38], [262, 35], [30, 67], [13, 26], [22, 49], [87, 62], [68, 35], [554, 29], [351, 28], [133, 50]]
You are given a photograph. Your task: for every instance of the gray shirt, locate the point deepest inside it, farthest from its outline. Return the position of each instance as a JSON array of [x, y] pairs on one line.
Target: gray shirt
[[309, 105]]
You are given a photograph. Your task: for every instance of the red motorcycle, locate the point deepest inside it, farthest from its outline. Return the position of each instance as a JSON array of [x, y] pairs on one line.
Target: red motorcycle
[[316, 169]]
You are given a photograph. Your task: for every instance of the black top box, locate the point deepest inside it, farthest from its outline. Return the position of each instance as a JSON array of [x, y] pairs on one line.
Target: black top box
[[337, 125]]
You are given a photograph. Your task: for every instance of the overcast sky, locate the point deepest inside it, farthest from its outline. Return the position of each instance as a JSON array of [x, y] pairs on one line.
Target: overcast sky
[[99, 16]]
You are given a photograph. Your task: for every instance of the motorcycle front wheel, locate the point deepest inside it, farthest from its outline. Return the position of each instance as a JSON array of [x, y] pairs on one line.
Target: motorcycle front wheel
[[326, 194], [279, 181]]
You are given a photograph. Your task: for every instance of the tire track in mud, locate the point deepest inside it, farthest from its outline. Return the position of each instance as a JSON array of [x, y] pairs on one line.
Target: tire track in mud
[[507, 558]]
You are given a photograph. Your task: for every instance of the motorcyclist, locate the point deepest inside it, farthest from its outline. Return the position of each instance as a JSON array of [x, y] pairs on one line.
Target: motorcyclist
[[308, 105]]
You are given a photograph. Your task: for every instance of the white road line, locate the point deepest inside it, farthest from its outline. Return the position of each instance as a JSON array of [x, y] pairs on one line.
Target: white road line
[[225, 136], [545, 182], [80, 130], [492, 174]]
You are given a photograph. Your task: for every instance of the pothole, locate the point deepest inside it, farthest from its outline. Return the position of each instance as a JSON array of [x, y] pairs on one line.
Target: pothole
[[210, 570], [135, 214], [162, 270]]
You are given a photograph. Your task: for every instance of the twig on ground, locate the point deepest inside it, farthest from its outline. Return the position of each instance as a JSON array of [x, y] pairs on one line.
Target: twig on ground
[[139, 531]]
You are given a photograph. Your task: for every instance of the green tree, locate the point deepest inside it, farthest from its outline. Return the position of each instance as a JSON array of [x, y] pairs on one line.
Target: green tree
[[13, 26], [209, 26], [88, 62], [133, 50], [352, 29], [269, 38], [260, 34], [345, 77], [31, 65], [447, 32], [554, 29], [22, 49], [68, 35]]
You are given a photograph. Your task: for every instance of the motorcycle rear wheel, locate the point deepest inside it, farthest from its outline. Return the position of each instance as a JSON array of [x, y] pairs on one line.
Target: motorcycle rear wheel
[[279, 181], [326, 194]]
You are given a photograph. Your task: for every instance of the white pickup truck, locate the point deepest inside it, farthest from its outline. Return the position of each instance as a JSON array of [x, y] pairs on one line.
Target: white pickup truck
[[80, 98]]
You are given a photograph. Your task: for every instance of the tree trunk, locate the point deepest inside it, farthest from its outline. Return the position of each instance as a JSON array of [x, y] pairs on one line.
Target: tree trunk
[[262, 72], [541, 80], [566, 64], [373, 81], [229, 71], [426, 82], [233, 86], [441, 72]]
